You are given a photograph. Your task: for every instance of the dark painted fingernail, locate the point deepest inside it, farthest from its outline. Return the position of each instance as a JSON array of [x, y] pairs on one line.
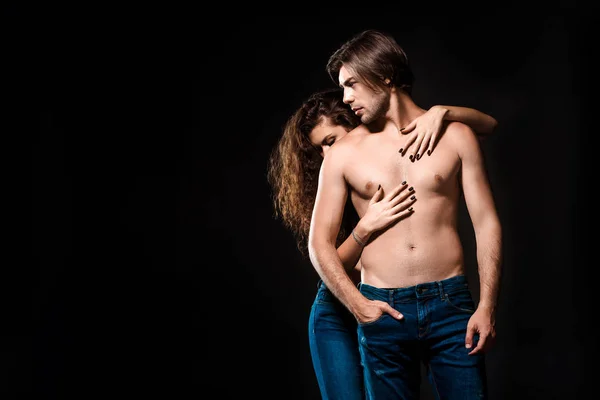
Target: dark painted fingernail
[[378, 187], [428, 152], [410, 157], [404, 182], [410, 189], [400, 151], [401, 129], [410, 209], [418, 156], [412, 197]]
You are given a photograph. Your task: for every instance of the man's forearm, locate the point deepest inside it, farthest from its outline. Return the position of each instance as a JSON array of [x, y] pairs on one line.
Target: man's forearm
[[489, 260], [328, 265]]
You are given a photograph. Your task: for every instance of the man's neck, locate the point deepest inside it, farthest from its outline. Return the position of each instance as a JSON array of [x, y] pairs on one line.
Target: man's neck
[[403, 109]]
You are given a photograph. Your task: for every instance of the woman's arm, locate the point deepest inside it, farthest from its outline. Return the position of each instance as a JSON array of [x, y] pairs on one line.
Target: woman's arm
[[381, 212], [483, 124], [428, 127], [350, 250]]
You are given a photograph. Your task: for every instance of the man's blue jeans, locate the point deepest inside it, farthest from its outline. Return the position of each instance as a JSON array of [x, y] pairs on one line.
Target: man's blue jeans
[[334, 348], [432, 332]]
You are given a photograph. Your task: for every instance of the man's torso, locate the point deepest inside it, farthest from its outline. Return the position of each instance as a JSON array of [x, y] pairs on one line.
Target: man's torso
[[425, 246]]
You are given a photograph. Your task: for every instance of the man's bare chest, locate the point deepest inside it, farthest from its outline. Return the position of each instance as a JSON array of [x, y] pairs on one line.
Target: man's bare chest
[[377, 162]]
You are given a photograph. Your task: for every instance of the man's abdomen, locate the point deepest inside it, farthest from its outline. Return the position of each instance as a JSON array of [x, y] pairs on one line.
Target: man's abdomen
[[402, 257]]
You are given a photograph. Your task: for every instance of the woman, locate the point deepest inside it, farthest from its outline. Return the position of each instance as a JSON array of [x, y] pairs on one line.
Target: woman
[[293, 174]]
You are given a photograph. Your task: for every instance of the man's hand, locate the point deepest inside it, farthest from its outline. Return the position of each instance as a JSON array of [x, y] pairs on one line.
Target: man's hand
[[372, 310], [482, 323]]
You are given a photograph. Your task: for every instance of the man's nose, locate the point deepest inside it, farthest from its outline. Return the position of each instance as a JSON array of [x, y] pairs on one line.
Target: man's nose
[[347, 99]]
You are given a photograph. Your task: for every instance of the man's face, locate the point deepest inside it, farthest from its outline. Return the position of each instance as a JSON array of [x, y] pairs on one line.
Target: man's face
[[365, 102]]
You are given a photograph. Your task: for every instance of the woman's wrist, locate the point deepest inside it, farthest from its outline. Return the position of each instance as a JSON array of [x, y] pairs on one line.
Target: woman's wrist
[[445, 111], [362, 232]]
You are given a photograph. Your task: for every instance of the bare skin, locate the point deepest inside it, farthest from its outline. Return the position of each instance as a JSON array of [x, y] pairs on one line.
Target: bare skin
[[421, 135], [381, 211], [425, 247]]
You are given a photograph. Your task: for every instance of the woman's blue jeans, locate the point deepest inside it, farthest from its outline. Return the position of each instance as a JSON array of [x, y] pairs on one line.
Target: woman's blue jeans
[[334, 348]]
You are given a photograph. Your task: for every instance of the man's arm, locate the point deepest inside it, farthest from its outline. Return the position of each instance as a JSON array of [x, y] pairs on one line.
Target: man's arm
[[488, 233], [324, 227], [325, 224]]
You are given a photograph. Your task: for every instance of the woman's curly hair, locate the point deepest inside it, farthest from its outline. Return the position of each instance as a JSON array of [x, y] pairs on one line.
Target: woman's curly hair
[[294, 163]]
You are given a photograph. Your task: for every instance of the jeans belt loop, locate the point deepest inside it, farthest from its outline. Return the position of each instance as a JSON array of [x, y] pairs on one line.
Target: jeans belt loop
[[441, 287]]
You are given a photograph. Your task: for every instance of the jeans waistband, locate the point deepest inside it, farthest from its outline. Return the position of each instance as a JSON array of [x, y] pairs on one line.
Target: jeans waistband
[[419, 291], [321, 284]]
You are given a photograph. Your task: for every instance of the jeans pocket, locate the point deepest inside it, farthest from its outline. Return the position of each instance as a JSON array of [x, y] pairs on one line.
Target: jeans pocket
[[372, 322], [461, 301]]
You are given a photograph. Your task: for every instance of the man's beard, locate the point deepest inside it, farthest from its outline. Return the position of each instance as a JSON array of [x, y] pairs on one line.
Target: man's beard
[[380, 106]]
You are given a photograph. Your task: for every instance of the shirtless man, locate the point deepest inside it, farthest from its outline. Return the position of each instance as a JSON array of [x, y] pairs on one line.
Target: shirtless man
[[413, 304]]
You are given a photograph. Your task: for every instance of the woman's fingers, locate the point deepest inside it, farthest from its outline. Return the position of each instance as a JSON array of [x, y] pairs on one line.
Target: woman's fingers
[[409, 141], [410, 127], [427, 139], [403, 208], [377, 195], [395, 191], [414, 154], [401, 197], [432, 143]]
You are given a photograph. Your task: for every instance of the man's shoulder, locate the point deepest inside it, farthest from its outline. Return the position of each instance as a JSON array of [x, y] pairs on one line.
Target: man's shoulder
[[345, 148], [459, 131], [462, 136], [357, 131], [351, 139], [459, 128]]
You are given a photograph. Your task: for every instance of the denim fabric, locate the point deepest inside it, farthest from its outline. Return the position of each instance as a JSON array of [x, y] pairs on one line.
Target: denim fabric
[[432, 332], [334, 348]]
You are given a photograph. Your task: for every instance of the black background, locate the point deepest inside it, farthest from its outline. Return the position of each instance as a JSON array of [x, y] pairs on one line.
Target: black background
[[158, 267]]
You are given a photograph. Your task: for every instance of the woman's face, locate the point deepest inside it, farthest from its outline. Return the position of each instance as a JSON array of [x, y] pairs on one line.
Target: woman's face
[[324, 135]]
